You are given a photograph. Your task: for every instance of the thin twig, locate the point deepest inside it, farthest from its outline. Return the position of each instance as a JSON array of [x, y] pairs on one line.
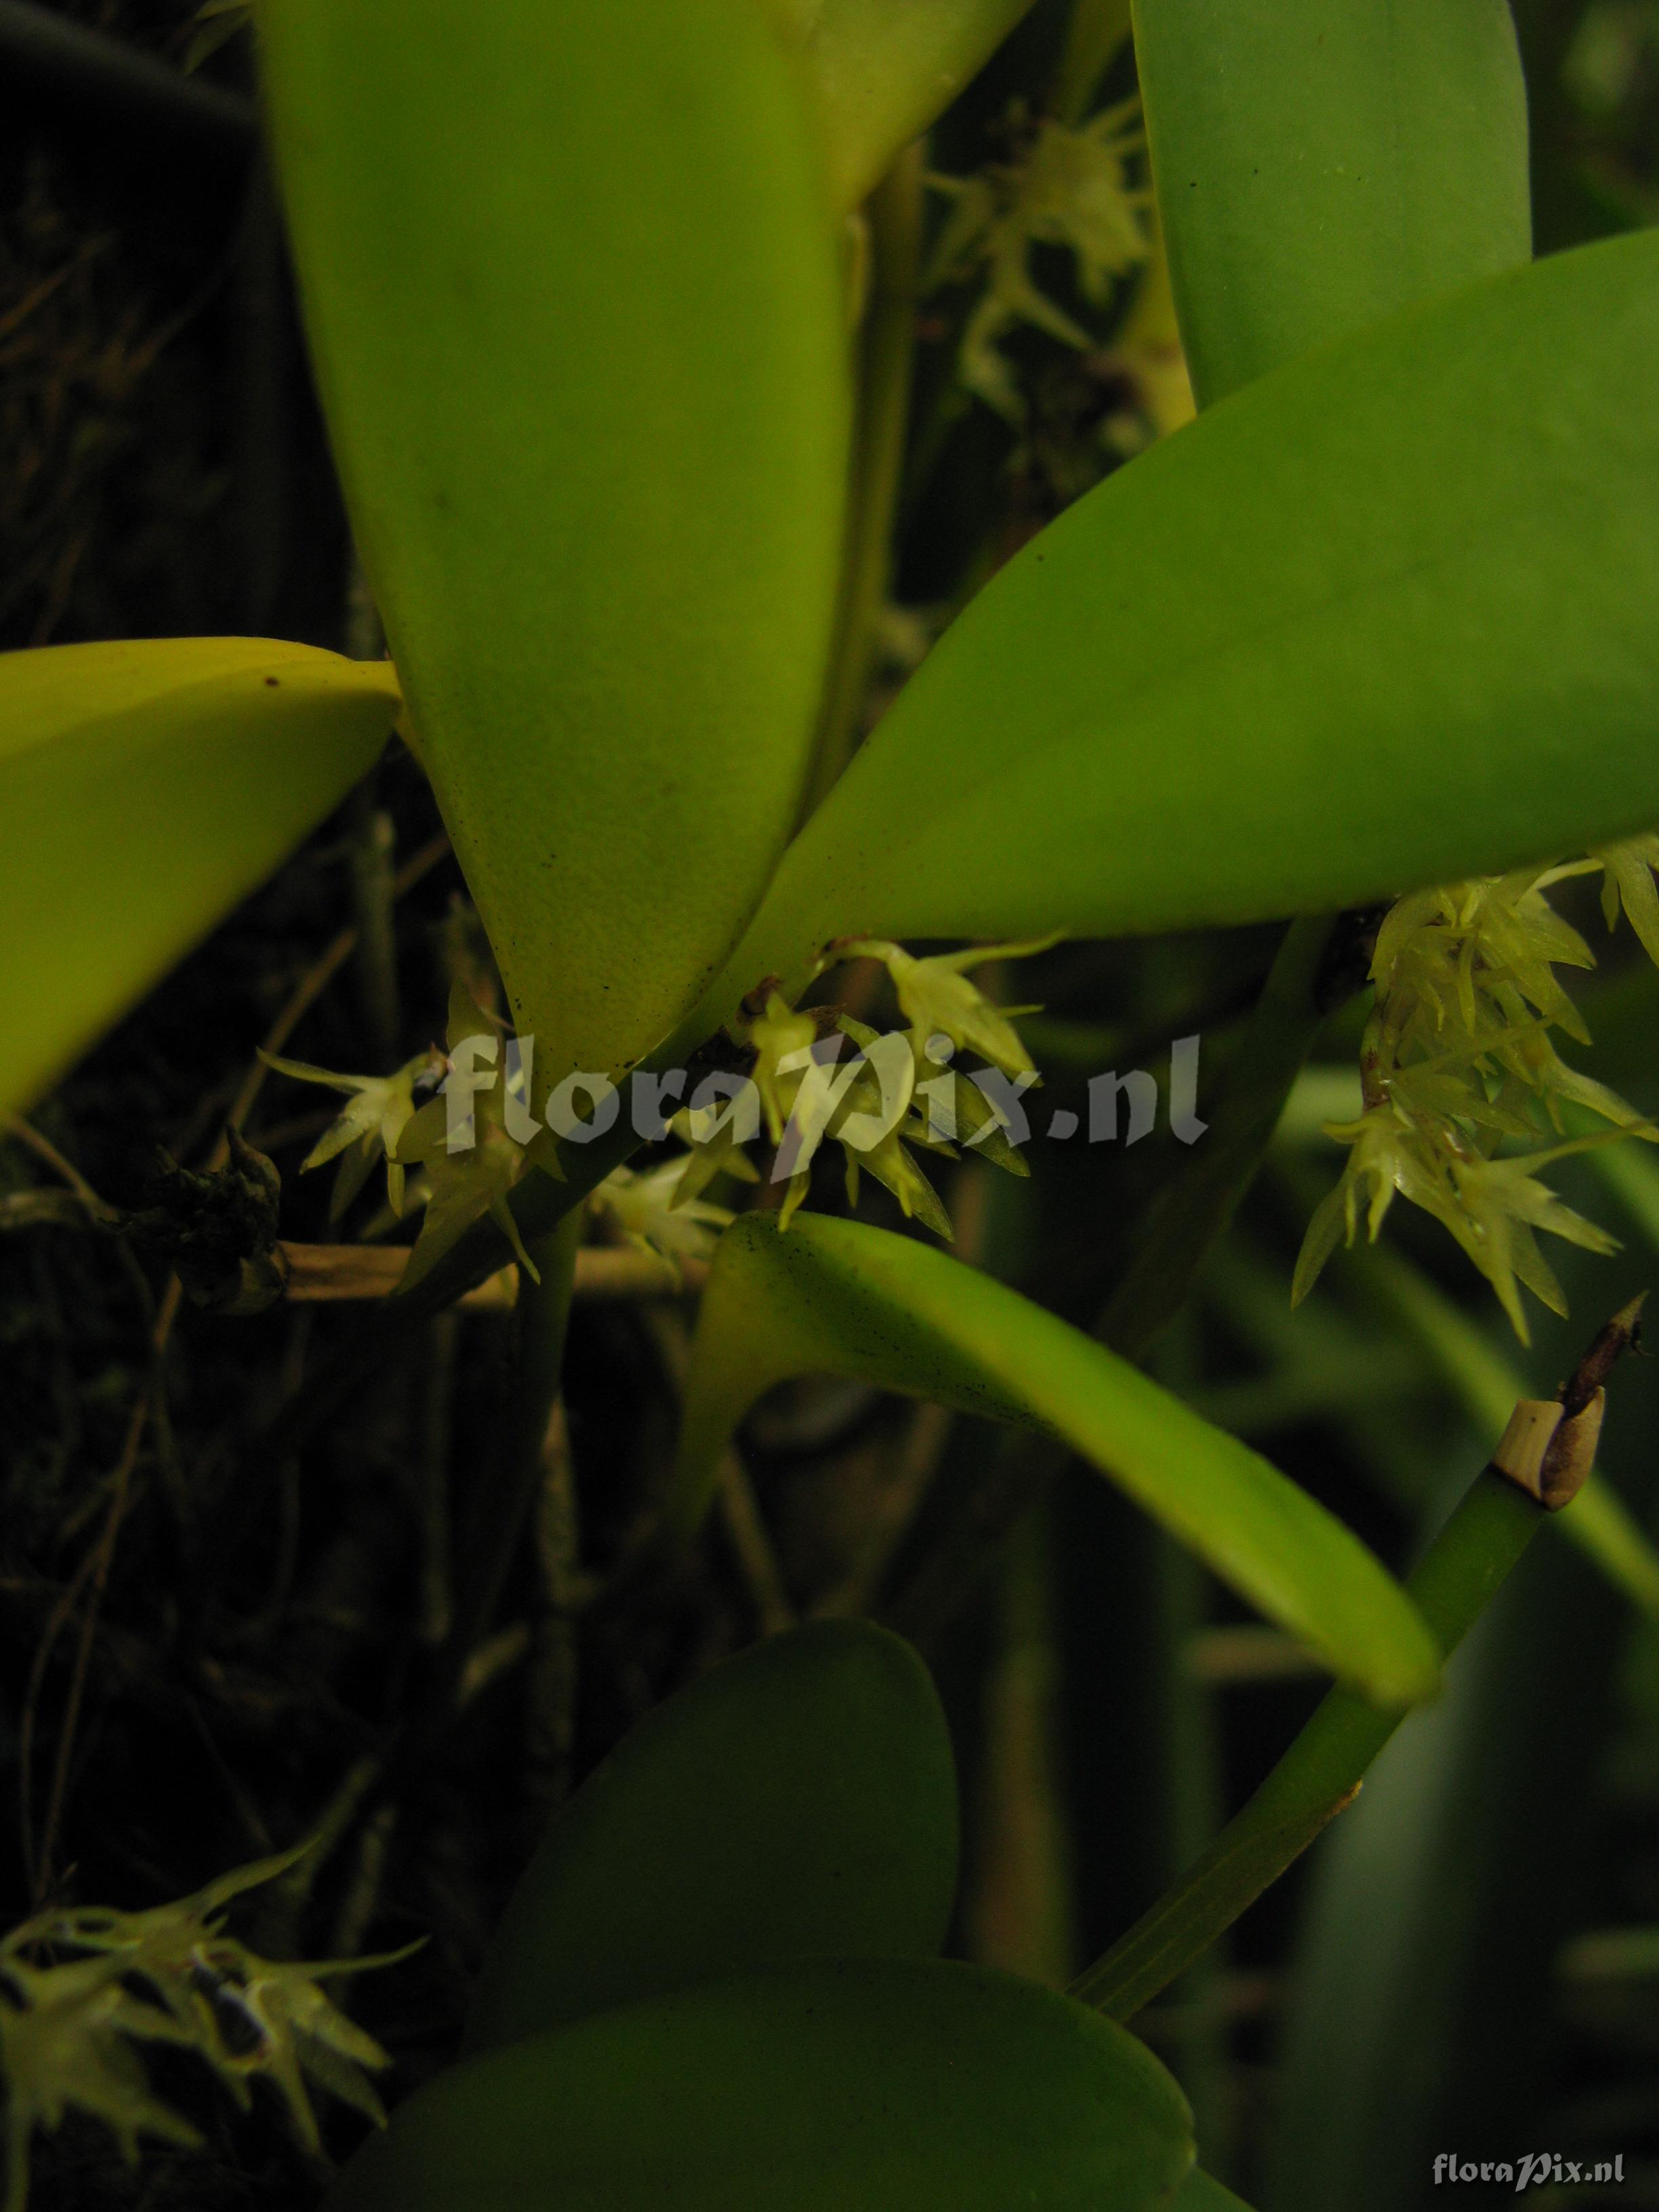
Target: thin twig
[[887, 342], [95, 1575], [102, 1559], [432, 1479], [43, 1149], [286, 1899], [487, 1661], [42, 1209], [373, 893], [920, 1449], [361, 1900], [550, 1694], [339, 1273], [103, 74], [309, 989], [751, 1542]]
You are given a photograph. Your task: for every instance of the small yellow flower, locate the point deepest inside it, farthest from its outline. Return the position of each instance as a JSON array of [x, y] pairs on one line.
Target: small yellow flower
[[1068, 187], [715, 1139], [1627, 883], [460, 1187], [1457, 1057], [888, 1158], [885, 1100], [936, 999], [778, 1034], [654, 1213], [382, 1109]]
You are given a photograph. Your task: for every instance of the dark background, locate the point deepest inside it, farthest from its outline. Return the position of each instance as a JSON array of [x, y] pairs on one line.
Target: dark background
[[163, 470]]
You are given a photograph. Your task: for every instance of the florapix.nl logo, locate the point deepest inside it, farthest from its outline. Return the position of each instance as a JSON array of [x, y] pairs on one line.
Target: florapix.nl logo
[[1533, 2169], [722, 1103]]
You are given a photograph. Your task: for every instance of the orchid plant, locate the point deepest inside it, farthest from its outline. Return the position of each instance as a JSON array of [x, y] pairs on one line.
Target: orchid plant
[[593, 296]]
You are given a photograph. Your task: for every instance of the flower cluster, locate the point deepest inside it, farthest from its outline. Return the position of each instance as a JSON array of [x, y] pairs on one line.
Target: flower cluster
[[1066, 187], [458, 1157], [893, 1093], [84, 1990], [1457, 1058], [456, 1184]]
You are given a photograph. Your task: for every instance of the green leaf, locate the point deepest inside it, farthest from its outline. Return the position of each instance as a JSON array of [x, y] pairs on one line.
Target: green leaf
[[145, 788], [1198, 2193], [883, 69], [894, 2087], [1319, 168], [571, 288], [831, 1297], [799, 1803], [1384, 618]]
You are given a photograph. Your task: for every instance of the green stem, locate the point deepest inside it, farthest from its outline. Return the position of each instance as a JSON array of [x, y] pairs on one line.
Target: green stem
[[1199, 2040], [1191, 1212], [1320, 1774], [44, 53], [505, 1503], [1098, 28], [1486, 1384], [538, 1205], [1018, 1910], [894, 213], [372, 898]]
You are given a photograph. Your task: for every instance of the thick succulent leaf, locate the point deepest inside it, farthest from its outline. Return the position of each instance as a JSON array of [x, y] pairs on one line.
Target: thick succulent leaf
[[1384, 618], [571, 287], [145, 787], [799, 1803], [894, 2087], [1319, 168], [831, 1297], [883, 70], [1200, 2193]]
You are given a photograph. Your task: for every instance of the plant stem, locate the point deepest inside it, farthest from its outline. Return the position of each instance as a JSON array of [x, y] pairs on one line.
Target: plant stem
[[551, 1692], [1195, 1208], [504, 1505], [46, 53], [539, 1207], [432, 1466], [1098, 28], [1321, 1774], [372, 897], [1196, 2040], [894, 214], [1018, 1910]]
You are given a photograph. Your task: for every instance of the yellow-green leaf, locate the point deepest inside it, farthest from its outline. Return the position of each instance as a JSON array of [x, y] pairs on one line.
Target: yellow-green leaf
[[882, 70], [1199, 2192], [569, 276], [1319, 166], [145, 787], [1383, 619], [831, 1297]]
